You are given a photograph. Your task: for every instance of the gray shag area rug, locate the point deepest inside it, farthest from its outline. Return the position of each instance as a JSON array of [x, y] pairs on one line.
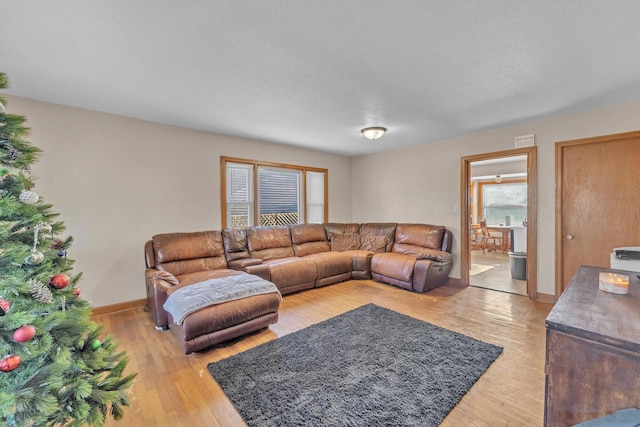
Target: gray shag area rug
[[367, 367]]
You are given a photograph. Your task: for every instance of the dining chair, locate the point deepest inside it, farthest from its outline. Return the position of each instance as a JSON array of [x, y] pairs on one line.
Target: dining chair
[[489, 239], [476, 237]]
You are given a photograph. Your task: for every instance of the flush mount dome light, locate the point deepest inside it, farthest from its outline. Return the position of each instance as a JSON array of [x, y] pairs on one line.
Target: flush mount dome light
[[373, 132]]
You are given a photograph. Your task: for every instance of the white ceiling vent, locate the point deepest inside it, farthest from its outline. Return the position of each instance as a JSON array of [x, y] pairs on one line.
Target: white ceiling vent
[[525, 141]]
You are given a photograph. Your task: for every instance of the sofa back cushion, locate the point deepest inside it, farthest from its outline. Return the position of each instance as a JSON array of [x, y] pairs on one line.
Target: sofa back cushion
[[345, 242], [412, 239], [309, 239], [354, 241], [235, 243], [331, 228], [182, 253], [268, 243], [386, 229], [373, 243]]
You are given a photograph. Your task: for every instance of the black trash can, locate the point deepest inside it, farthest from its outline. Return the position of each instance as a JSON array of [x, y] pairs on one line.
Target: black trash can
[[518, 262]]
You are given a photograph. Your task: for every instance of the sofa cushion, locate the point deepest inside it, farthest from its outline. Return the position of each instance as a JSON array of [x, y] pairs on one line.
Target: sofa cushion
[[345, 242], [303, 233], [331, 228], [308, 239], [217, 323], [180, 246], [330, 263], [310, 248], [387, 229], [354, 241], [412, 239], [235, 243], [369, 242], [293, 271], [182, 253], [394, 265], [268, 243]]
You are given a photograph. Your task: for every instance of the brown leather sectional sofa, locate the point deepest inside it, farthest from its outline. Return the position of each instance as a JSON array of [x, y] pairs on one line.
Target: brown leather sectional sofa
[[416, 257]]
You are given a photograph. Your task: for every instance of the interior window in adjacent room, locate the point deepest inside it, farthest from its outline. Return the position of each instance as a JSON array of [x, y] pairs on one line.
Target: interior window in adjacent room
[[508, 198]]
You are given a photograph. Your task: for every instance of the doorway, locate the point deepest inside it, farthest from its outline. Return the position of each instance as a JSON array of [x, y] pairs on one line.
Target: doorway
[[498, 224], [498, 221]]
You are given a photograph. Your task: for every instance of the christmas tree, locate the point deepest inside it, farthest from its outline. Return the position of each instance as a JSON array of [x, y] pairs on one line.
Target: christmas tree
[[55, 366]]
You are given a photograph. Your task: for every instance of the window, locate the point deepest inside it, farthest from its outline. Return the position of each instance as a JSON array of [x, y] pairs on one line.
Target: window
[[279, 196], [260, 193], [508, 198], [316, 197], [239, 195]]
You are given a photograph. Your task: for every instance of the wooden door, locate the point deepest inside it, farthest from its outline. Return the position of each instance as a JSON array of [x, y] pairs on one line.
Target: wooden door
[[597, 201]]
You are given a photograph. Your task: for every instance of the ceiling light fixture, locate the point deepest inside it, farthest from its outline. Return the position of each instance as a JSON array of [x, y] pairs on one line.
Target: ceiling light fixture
[[373, 132], [498, 179]]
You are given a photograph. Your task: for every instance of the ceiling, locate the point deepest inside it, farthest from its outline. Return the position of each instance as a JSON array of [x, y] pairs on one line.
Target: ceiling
[[313, 73]]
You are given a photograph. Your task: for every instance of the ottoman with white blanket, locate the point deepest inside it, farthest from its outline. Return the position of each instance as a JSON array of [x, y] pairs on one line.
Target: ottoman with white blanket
[[217, 310]]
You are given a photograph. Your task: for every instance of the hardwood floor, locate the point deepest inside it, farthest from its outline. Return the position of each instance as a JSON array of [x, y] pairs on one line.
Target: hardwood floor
[[497, 276], [177, 390]]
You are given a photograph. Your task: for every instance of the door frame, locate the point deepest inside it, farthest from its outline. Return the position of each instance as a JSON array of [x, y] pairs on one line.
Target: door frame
[[532, 219], [559, 243]]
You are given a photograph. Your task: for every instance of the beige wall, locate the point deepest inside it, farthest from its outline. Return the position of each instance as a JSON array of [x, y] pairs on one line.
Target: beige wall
[[422, 183], [117, 181]]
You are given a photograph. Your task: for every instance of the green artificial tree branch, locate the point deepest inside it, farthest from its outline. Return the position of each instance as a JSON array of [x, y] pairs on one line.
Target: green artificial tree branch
[[65, 375]]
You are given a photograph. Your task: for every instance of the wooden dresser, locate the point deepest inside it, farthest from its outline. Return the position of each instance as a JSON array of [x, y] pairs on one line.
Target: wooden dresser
[[593, 351]]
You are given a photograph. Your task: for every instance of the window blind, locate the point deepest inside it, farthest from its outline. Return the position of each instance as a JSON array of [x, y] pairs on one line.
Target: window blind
[[239, 195], [279, 193]]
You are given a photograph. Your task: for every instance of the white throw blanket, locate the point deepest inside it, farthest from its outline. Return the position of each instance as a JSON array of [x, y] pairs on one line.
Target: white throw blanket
[[192, 298]]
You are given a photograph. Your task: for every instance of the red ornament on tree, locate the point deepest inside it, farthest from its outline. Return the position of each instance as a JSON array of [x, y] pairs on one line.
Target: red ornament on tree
[[76, 291], [24, 333], [5, 305], [10, 363], [59, 281]]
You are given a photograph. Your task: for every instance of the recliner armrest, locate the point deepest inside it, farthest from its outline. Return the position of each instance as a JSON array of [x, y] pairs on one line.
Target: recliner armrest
[[435, 255], [260, 270], [429, 274], [157, 283], [165, 275]]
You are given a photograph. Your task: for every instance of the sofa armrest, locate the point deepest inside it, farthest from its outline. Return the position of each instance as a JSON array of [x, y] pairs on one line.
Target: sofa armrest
[[166, 276], [242, 263], [260, 270], [428, 274], [157, 283], [435, 255]]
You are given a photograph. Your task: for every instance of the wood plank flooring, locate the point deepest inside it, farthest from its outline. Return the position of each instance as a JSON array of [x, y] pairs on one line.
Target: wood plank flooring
[[177, 390], [498, 277]]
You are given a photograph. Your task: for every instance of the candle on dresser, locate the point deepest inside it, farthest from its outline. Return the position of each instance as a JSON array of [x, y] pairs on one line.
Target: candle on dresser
[[614, 283]]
